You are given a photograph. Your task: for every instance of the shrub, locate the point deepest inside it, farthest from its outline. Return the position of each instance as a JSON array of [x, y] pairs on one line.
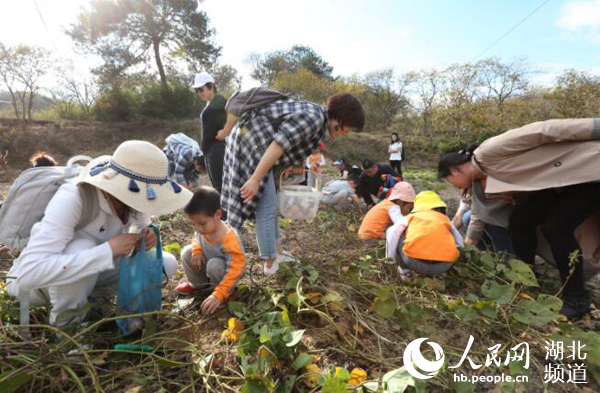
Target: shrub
[[115, 105], [168, 102]]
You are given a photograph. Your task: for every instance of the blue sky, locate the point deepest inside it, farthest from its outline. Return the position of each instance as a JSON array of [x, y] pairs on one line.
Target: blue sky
[[358, 36]]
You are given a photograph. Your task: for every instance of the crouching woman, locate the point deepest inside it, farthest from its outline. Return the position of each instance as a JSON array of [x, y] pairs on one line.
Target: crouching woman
[[73, 253]]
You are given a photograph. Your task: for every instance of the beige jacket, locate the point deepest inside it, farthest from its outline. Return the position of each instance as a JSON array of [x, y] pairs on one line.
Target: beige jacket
[[547, 154]]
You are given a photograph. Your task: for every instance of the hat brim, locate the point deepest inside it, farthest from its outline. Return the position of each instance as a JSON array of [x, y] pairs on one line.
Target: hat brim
[[417, 209], [398, 197], [167, 200]]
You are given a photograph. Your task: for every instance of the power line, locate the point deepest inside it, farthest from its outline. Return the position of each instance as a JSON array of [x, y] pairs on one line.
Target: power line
[[511, 30], [44, 23]]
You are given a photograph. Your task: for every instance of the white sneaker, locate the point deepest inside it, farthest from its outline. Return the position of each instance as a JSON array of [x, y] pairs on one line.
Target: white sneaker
[[269, 271], [286, 257]]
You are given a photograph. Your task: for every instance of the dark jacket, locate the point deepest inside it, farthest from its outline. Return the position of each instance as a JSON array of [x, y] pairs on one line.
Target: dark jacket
[[213, 119], [368, 186]]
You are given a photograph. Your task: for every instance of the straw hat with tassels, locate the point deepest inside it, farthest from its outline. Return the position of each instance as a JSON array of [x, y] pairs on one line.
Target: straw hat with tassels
[[136, 174]]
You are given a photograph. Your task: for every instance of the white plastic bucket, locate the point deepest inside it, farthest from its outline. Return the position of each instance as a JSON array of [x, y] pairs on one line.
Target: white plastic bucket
[[298, 202]]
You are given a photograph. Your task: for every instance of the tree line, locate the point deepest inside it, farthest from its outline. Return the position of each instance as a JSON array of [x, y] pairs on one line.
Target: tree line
[[150, 49]]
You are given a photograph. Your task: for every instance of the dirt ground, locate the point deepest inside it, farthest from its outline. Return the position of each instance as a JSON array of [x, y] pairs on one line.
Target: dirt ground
[[344, 332]]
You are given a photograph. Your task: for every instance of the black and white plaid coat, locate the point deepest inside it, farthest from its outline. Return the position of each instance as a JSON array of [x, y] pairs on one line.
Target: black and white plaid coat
[[297, 126]]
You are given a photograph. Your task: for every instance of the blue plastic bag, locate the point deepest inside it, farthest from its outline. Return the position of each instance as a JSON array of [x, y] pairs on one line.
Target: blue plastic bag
[[140, 276]]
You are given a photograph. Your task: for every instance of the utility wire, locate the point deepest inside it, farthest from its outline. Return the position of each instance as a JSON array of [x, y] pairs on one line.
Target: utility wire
[[44, 23], [510, 30]]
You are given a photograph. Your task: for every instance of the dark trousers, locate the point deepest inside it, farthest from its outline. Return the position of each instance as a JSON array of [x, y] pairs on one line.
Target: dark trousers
[[214, 157], [559, 212], [397, 166], [500, 239]]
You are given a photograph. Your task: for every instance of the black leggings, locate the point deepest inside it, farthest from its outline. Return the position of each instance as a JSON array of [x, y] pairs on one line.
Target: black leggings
[[559, 212], [214, 157], [397, 166]]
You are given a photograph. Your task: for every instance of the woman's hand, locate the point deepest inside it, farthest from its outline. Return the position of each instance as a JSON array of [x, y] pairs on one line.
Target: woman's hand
[[210, 305], [221, 135], [293, 170], [249, 190], [123, 244], [149, 237], [471, 242]]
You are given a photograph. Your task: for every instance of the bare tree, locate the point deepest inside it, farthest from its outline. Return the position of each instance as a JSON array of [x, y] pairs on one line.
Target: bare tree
[[428, 85], [504, 80], [21, 68], [461, 90], [79, 90]]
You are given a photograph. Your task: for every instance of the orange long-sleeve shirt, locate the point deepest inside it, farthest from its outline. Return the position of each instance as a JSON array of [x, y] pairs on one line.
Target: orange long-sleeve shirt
[[232, 252]]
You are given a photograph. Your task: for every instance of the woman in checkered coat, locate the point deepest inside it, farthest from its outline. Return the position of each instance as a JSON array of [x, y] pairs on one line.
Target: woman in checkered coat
[[277, 135]]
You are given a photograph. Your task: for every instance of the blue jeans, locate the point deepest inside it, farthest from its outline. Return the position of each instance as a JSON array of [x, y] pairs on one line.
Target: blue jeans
[[498, 236], [267, 224], [315, 180]]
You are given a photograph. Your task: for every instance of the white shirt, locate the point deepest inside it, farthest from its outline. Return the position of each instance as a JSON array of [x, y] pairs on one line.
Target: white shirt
[[397, 156], [335, 186], [44, 263]]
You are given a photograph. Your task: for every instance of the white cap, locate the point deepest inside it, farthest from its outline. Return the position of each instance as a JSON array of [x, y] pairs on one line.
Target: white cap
[[201, 79]]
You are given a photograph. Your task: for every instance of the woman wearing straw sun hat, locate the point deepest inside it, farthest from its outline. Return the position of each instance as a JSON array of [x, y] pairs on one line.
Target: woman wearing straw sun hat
[[65, 263]]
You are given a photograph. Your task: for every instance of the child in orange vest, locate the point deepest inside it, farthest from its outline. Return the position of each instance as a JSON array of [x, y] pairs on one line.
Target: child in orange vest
[[315, 163], [429, 244], [387, 212]]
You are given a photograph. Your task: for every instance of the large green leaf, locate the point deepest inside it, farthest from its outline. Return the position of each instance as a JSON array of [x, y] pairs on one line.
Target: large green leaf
[[13, 383], [462, 387], [296, 336], [384, 292], [540, 312], [236, 308], [302, 360], [254, 386], [488, 261], [385, 308], [466, 313], [521, 273], [396, 381], [265, 334], [287, 386], [498, 292], [590, 345], [334, 385]]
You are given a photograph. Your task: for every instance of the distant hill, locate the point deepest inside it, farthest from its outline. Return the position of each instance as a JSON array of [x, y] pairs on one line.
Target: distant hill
[[40, 101]]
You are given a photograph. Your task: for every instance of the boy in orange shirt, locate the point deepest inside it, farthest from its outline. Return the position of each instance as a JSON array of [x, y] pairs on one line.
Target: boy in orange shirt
[[387, 212], [215, 260]]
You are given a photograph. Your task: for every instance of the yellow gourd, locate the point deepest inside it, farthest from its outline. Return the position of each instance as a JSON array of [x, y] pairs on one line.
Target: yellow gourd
[[234, 328], [357, 376], [312, 375]]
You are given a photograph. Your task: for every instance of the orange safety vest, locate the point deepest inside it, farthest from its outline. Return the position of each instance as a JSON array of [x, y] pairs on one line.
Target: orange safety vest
[[429, 237], [315, 163], [376, 221]]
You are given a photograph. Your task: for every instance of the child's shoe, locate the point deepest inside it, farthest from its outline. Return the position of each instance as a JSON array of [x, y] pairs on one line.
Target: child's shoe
[[404, 274], [269, 271], [185, 288]]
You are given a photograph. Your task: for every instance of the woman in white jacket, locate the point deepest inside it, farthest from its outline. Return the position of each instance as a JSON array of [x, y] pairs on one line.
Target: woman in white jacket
[[67, 266]]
